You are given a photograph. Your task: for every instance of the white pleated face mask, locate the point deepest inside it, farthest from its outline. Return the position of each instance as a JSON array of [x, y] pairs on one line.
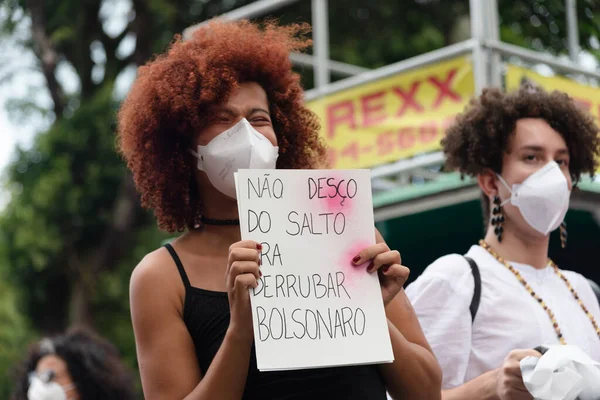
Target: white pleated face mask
[[40, 390], [542, 198], [239, 147]]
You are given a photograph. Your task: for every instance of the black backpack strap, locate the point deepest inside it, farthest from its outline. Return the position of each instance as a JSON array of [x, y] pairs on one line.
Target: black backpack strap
[[477, 292]]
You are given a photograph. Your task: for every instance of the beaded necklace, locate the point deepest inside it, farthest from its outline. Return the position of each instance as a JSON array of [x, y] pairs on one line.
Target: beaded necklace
[[489, 249]]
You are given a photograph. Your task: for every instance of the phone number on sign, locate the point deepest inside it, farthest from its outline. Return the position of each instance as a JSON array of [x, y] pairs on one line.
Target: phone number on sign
[[404, 142]]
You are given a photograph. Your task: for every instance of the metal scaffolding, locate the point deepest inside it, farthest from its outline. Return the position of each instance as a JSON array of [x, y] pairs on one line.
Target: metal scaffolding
[[484, 46]]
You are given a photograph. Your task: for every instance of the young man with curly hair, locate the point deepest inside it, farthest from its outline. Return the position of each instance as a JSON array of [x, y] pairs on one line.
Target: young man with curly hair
[[527, 150], [223, 100]]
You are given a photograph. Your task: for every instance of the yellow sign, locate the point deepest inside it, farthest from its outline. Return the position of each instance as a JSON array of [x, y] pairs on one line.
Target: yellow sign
[[586, 96], [394, 118]]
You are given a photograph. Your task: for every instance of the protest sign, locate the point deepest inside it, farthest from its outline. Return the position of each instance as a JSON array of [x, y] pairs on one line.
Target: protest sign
[[313, 307]]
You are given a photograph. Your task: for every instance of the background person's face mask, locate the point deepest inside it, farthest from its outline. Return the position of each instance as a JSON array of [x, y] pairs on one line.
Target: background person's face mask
[[239, 147], [40, 390], [542, 198]]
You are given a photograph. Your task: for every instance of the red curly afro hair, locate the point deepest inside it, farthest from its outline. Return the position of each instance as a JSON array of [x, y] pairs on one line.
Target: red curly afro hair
[[175, 95]]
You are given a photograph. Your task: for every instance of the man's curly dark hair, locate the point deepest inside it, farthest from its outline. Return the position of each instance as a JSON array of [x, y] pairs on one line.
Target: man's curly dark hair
[[93, 363], [175, 96], [479, 137]]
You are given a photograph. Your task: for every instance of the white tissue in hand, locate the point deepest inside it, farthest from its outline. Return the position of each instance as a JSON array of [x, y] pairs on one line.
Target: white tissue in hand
[[562, 373]]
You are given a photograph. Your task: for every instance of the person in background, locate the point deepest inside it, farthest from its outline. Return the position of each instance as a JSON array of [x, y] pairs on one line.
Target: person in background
[[77, 365], [484, 313], [224, 100]]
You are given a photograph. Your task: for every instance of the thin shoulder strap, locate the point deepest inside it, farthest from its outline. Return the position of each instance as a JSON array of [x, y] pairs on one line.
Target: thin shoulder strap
[[477, 292], [184, 278]]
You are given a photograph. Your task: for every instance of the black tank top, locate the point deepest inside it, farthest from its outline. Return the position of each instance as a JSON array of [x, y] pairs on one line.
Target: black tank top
[[206, 315]]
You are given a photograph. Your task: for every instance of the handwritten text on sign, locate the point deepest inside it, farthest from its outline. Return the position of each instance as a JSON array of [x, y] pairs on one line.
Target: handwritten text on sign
[[312, 307]]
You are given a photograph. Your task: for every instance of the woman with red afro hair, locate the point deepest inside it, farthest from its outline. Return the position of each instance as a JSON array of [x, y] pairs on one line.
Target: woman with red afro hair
[[223, 100]]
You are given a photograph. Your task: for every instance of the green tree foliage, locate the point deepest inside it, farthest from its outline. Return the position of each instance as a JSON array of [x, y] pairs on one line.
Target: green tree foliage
[[73, 229], [373, 34], [542, 25], [15, 335]]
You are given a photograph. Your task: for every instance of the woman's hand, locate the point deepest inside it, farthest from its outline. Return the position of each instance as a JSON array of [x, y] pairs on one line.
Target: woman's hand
[[387, 263], [242, 273]]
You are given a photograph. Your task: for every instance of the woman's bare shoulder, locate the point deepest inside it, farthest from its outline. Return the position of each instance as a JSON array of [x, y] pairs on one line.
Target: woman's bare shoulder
[[156, 275]]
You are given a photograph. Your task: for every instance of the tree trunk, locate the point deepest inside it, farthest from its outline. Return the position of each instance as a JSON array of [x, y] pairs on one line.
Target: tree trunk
[[80, 307], [46, 53]]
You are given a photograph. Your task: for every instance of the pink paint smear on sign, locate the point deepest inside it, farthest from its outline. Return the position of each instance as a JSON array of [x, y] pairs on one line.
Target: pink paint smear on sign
[[351, 271], [339, 193]]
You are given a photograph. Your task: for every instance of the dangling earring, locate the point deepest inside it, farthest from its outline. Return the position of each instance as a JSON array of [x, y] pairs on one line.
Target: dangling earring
[[563, 234], [497, 218]]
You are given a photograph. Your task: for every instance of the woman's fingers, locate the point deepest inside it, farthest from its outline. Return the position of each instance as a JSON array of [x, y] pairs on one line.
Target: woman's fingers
[[249, 252], [396, 271], [243, 282], [385, 260], [245, 244], [243, 267], [379, 256], [370, 253]]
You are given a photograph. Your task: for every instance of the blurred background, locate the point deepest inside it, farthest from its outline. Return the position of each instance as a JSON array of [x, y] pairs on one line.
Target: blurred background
[[71, 229]]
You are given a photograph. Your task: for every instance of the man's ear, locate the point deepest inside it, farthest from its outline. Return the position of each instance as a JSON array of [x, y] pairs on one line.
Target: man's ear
[[488, 182]]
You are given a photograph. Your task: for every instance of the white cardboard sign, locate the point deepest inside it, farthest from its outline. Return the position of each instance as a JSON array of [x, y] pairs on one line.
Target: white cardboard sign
[[313, 307]]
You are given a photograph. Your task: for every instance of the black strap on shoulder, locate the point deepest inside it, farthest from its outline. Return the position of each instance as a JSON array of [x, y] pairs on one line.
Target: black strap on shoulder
[[477, 292], [184, 278]]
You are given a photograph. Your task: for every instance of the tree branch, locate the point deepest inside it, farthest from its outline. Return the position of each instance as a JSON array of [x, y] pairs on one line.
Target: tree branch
[[125, 217], [141, 27], [111, 44], [91, 30], [46, 53], [126, 213], [114, 65]]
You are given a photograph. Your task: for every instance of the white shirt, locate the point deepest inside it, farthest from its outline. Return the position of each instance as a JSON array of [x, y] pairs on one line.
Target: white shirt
[[508, 317]]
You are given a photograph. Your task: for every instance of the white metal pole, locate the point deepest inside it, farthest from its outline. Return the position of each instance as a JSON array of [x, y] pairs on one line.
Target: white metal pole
[[478, 34], [542, 58], [572, 30], [493, 33], [255, 9], [445, 53], [320, 22], [335, 67]]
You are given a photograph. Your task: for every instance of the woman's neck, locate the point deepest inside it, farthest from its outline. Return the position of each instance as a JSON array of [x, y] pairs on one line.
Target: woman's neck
[[520, 248], [209, 238], [215, 238], [221, 208]]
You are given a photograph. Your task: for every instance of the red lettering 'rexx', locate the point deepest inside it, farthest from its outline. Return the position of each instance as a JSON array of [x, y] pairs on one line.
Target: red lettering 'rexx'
[[408, 99], [338, 114], [373, 109], [444, 88]]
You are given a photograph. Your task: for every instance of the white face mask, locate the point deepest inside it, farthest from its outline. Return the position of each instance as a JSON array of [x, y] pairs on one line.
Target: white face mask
[[239, 147], [542, 198], [40, 390]]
